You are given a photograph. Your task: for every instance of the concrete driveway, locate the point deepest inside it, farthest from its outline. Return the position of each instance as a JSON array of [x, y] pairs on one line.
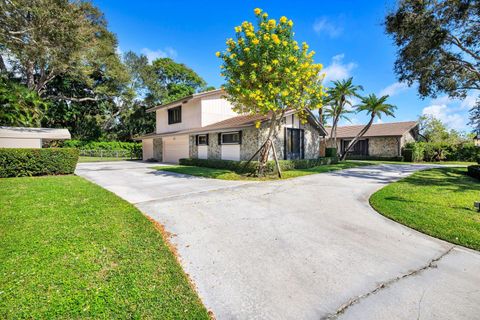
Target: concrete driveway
[[305, 248]]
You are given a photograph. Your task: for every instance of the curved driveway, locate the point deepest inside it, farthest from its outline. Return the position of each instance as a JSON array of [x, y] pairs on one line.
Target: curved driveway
[[305, 248]]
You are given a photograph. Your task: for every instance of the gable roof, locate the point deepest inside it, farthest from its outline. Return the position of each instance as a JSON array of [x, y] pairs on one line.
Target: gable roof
[[234, 123], [393, 129], [35, 133], [186, 99]]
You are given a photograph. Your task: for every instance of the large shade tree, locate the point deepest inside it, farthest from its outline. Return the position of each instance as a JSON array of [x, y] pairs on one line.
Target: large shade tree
[[338, 98], [267, 73], [375, 107], [438, 47]]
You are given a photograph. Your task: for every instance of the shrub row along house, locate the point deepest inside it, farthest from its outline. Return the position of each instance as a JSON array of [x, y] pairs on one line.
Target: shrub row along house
[[204, 126]]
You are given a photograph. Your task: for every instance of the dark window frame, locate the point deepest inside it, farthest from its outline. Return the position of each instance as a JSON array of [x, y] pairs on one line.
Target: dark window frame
[[222, 134], [289, 143], [205, 143], [360, 148], [174, 115]]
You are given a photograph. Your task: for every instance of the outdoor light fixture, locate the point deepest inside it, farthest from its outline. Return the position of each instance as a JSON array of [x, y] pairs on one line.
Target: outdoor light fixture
[[477, 205]]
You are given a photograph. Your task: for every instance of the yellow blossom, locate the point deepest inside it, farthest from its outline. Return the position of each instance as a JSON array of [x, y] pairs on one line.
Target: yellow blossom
[[257, 124], [238, 29], [246, 50], [265, 15], [275, 61], [290, 23], [266, 37], [283, 19], [257, 11], [254, 65], [232, 56], [268, 68], [285, 93], [255, 41], [217, 53], [241, 63], [285, 43], [272, 23]]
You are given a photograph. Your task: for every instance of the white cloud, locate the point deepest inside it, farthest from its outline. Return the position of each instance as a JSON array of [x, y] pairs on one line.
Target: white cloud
[[469, 102], [442, 100], [324, 25], [393, 89], [168, 52], [447, 115], [338, 70]]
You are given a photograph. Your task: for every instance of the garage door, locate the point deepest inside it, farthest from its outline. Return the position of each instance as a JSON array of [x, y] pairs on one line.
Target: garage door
[[175, 148]]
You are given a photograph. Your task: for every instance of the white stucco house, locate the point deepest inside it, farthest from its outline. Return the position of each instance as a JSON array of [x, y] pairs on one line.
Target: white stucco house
[[205, 126], [19, 137]]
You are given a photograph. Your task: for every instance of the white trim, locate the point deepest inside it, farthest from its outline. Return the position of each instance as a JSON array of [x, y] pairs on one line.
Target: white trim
[[230, 132]]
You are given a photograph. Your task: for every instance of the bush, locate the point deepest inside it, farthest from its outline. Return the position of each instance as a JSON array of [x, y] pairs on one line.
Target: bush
[[37, 162], [102, 145], [413, 152], [474, 171], [330, 152], [374, 158], [241, 167]]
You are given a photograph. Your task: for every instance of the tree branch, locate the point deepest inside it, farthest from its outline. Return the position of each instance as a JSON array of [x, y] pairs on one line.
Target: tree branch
[[455, 41]]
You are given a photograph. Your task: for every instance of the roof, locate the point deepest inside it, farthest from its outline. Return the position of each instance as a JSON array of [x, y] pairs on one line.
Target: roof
[[186, 99], [234, 123], [38, 133], [393, 129]]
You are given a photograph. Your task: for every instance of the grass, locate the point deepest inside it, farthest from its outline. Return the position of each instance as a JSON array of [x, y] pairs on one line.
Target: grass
[[101, 159], [230, 175], [71, 250], [438, 202]]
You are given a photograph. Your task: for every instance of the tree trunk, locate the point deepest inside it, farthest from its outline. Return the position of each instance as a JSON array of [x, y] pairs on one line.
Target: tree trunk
[[267, 145], [3, 67], [30, 75], [359, 135], [279, 171]]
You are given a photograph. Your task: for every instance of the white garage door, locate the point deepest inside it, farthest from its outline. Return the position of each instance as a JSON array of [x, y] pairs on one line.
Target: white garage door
[[175, 148]]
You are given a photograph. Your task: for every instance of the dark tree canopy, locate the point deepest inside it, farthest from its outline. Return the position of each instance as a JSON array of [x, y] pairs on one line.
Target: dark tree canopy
[[438, 45]]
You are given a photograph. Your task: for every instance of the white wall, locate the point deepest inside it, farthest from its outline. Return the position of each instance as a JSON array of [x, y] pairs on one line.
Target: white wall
[[292, 121], [202, 152], [230, 152], [20, 143], [215, 109], [191, 117], [175, 148], [147, 149]]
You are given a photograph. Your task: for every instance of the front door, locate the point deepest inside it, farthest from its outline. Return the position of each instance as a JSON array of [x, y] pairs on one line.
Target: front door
[[294, 144]]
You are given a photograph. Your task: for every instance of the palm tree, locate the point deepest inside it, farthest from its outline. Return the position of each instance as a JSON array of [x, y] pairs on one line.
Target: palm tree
[[338, 97], [375, 107]]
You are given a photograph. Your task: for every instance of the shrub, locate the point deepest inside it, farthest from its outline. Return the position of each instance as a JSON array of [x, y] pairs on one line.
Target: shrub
[[474, 171], [242, 167], [413, 152], [37, 162], [330, 152], [102, 145]]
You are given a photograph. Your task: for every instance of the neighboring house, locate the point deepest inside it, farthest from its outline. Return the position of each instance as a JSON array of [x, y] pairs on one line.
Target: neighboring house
[[381, 140], [19, 137], [204, 126]]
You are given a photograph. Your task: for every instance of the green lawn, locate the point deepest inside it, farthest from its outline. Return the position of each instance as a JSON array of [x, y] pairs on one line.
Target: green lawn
[[101, 159], [230, 175], [438, 202], [70, 249]]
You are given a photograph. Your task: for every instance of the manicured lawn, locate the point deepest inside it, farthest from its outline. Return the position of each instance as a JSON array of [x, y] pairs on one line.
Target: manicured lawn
[[101, 159], [70, 249], [438, 202], [230, 175]]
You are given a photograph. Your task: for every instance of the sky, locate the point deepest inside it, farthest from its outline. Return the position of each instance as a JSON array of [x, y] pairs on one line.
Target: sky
[[347, 36]]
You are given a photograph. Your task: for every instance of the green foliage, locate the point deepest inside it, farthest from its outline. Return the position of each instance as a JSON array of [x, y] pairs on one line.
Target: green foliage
[[102, 145], [443, 151], [73, 250], [375, 158], [474, 171], [437, 44], [242, 167], [37, 162], [19, 106], [438, 202], [330, 152]]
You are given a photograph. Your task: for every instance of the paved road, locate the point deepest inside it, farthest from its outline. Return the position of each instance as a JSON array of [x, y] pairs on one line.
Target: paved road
[[305, 248]]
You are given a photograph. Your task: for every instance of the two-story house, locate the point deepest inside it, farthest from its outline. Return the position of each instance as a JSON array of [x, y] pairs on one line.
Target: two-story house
[[204, 126]]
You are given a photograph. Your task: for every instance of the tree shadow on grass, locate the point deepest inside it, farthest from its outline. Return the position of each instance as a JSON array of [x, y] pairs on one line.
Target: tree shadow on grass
[[448, 179]]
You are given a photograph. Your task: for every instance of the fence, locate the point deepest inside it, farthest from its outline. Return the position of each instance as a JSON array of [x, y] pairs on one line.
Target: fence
[[123, 154]]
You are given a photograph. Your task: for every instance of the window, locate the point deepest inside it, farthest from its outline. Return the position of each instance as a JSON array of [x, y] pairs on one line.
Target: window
[[294, 144], [202, 139], [175, 115], [230, 138], [360, 148]]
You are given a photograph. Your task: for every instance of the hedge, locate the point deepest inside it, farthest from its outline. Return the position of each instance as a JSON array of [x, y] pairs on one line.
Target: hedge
[[102, 145], [37, 162], [374, 158], [242, 167], [474, 171], [330, 152]]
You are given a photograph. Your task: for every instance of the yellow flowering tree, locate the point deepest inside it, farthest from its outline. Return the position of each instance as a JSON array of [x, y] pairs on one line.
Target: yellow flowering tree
[[267, 73]]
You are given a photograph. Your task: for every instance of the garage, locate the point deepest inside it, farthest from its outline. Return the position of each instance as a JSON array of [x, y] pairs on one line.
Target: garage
[[175, 148]]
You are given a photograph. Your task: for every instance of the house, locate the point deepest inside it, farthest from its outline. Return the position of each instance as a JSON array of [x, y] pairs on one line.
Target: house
[[381, 140], [19, 137], [205, 126]]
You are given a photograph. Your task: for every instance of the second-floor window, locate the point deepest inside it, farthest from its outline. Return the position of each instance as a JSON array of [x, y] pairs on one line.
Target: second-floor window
[[175, 115]]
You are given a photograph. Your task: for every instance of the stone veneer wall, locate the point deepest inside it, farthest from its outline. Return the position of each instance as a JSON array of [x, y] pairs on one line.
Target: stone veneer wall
[[383, 146], [158, 149], [214, 149], [193, 148], [312, 141], [250, 143]]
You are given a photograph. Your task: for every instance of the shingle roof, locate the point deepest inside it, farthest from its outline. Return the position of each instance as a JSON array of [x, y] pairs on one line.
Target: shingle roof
[[376, 130], [41, 133]]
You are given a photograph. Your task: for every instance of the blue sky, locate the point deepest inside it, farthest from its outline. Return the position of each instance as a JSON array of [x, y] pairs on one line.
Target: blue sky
[[347, 36]]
